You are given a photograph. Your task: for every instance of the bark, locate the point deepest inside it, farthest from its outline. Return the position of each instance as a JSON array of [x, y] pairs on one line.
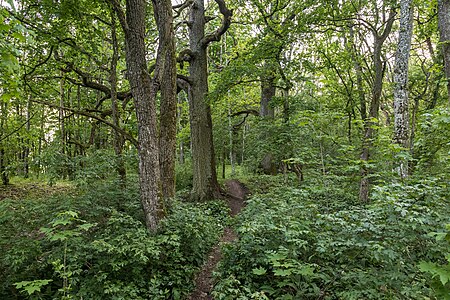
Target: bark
[[180, 126], [40, 167], [143, 89], [5, 178], [62, 123], [3, 163], [267, 93], [401, 101], [224, 155], [268, 90], [26, 151], [205, 185], [358, 71], [118, 138], [62, 130], [370, 122], [444, 36], [286, 105], [168, 107], [231, 144]]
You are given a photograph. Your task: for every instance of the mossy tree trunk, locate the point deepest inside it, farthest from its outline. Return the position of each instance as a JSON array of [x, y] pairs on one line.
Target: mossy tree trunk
[[205, 185], [144, 89]]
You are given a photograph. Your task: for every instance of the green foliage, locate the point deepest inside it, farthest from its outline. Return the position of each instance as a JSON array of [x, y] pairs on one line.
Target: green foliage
[[432, 143], [320, 243], [440, 273], [30, 287], [98, 246], [183, 175]]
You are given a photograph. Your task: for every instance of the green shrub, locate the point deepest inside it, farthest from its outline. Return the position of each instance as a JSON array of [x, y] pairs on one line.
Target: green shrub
[[322, 244], [440, 273], [183, 174], [115, 258]]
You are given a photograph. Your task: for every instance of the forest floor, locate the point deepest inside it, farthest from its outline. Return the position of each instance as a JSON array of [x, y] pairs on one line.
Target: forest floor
[[204, 283], [22, 190]]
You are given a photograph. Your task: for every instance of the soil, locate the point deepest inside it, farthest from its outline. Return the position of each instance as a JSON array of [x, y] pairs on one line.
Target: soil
[[236, 193]]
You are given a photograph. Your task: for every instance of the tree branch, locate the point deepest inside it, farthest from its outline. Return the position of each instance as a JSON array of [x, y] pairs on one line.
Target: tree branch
[[120, 15], [248, 111], [87, 81], [2, 138], [125, 134], [183, 83], [39, 64], [226, 21], [185, 55], [180, 7], [388, 27]]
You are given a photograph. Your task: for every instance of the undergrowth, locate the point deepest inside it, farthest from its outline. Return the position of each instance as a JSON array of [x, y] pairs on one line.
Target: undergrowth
[[94, 245], [321, 243]]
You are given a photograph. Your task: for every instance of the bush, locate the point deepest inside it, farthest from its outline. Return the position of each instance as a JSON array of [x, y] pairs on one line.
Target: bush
[[183, 175], [439, 273], [322, 244], [94, 246]]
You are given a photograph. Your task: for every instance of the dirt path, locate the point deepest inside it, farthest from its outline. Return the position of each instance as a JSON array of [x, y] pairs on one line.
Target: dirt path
[[236, 194]]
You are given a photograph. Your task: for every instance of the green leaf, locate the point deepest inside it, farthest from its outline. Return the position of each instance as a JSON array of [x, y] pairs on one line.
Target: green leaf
[[435, 270], [4, 27], [32, 286], [259, 271], [19, 36], [281, 272], [86, 226]]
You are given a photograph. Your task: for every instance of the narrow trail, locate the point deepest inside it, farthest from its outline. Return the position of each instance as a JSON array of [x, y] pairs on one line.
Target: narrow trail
[[236, 194]]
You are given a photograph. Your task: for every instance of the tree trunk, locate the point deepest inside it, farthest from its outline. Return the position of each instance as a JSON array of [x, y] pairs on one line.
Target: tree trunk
[[401, 102], [224, 155], [26, 151], [286, 113], [3, 171], [267, 93], [181, 158], [118, 138], [168, 109], [144, 91], [205, 185], [5, 178], [231, 144], [370, 122], [444, 36], [358, 71], [62, 127], [41, 139]]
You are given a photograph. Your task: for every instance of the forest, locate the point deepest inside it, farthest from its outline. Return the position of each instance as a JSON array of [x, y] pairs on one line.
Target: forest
[[225, 149]]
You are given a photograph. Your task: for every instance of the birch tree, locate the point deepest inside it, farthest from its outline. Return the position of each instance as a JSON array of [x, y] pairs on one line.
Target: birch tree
[[401, 102]]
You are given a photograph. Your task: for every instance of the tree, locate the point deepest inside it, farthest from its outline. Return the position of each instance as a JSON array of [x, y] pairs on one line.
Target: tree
[[168, 86], [118, 138], [144, 89], [401, 103], [205, 185], [372, 116], [444, 34]]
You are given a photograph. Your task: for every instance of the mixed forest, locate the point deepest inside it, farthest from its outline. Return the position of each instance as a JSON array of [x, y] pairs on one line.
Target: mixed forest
[[265, 149]]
